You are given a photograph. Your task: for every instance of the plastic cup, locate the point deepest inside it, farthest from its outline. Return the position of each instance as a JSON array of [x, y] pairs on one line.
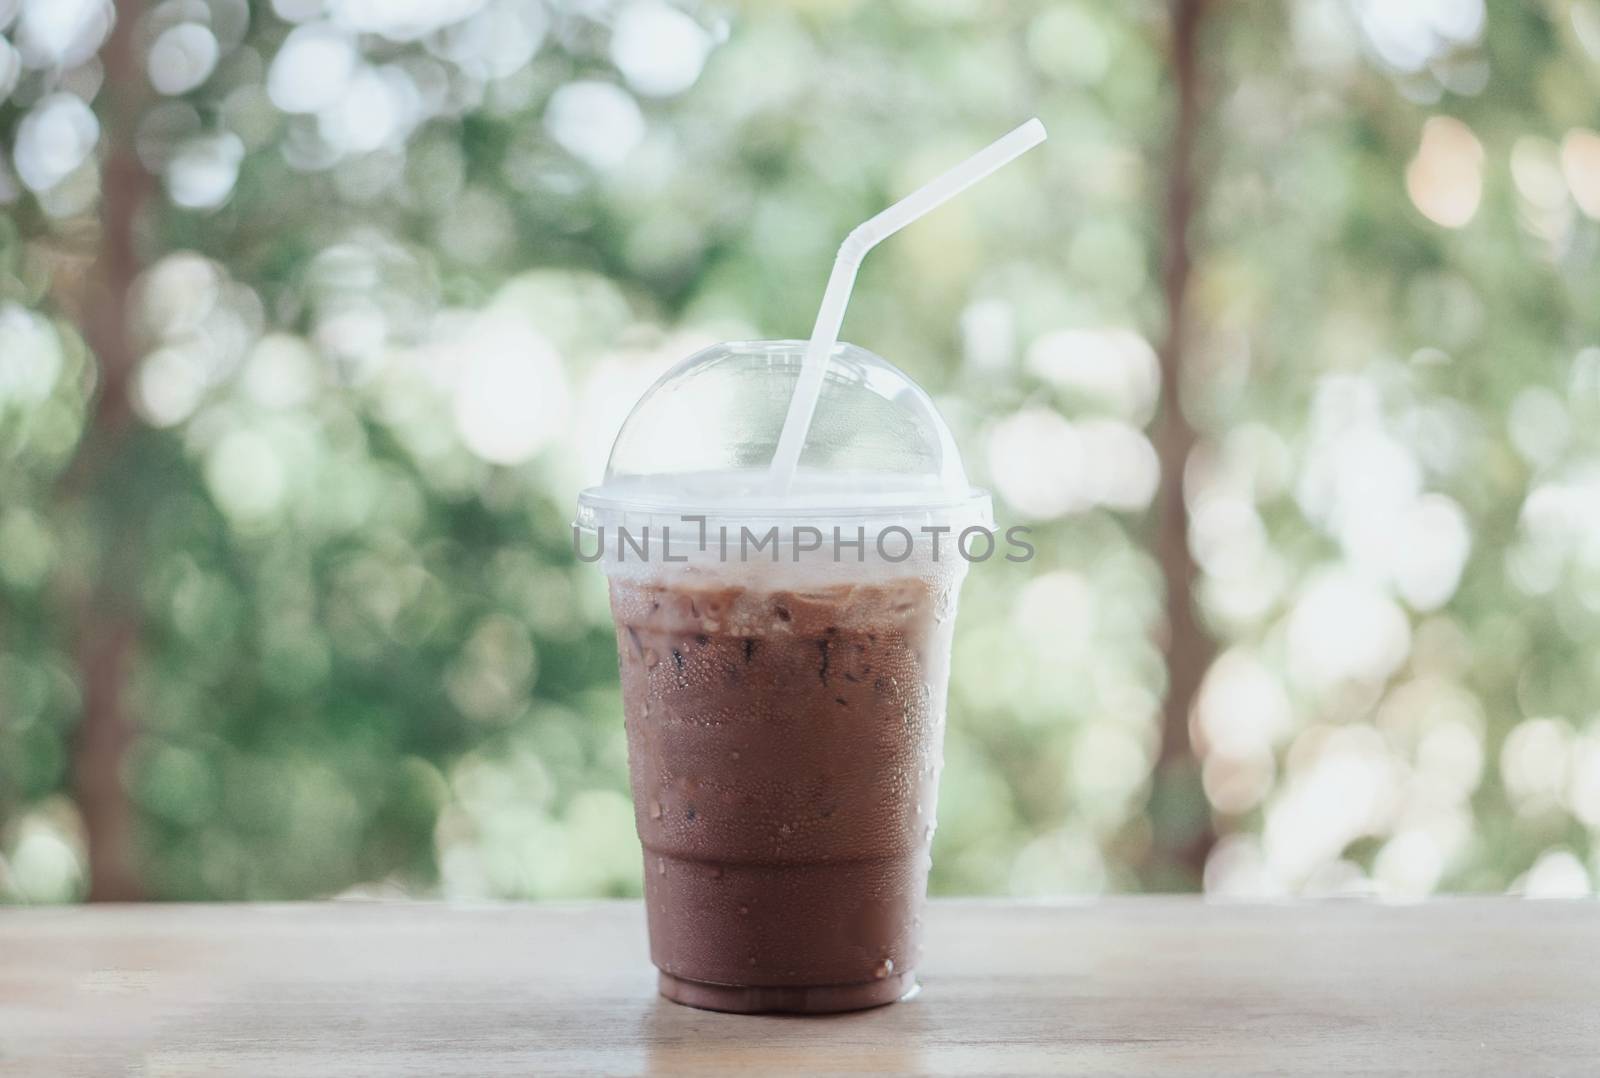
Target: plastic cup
[[784, 705]]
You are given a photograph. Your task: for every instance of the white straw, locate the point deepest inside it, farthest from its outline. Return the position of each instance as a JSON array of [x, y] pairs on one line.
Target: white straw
[[866, 236]]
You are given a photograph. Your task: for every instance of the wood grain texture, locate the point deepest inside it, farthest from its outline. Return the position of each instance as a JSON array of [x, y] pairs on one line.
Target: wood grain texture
[[1118, 987]]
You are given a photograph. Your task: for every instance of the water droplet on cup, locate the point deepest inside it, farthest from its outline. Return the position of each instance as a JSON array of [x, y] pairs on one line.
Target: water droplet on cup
[[651, 658], [885, 968], [716, 872], [661, 866], [752, 960], [655, 810], [733, 755], [743, 910]]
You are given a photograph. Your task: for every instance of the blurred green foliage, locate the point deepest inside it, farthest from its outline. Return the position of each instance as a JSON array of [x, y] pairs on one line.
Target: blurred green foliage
[[408, 266]]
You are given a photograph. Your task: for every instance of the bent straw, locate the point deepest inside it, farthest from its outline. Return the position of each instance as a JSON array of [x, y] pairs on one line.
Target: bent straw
[[863, 238]]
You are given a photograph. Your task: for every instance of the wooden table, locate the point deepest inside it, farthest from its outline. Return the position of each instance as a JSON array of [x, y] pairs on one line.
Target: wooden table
[[1122, 986]]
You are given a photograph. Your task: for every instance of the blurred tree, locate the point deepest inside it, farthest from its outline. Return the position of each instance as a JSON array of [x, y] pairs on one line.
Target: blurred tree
[[1182, 834], [105, 615]]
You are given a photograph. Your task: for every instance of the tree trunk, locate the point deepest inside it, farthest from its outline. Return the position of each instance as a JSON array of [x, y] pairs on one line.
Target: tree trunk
[[1182, 832], [106, 630]]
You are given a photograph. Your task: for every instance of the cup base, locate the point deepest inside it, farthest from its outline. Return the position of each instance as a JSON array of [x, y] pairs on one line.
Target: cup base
[[785, 999]]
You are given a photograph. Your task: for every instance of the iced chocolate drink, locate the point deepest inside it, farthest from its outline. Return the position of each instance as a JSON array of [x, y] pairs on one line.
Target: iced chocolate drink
[[785, 718], [784, 748], [785, 704]]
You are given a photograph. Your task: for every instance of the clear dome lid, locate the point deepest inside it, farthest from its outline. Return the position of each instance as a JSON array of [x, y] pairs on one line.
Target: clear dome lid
[[699, 442]]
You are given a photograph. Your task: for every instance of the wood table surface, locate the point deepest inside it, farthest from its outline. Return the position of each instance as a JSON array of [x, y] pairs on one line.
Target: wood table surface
[[1146, 986]]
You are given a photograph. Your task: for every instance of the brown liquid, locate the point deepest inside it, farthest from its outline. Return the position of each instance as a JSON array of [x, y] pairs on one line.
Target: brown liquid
[[784, 749]]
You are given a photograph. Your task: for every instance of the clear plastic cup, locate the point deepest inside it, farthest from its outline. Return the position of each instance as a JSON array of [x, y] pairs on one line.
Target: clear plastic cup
[[784, 663]]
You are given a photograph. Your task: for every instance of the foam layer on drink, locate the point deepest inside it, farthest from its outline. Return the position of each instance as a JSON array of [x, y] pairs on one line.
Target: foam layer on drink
[[784, 747]]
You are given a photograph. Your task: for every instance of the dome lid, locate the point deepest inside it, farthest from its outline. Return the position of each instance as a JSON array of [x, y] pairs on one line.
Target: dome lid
[[700, 440]]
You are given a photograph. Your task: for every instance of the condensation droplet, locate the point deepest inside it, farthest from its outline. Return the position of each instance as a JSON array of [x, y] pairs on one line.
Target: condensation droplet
[[655, 810], [743, 910], [884, 968], [651, 658]]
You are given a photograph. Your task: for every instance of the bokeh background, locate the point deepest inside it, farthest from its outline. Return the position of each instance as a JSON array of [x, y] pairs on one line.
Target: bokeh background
[[316, 314]]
